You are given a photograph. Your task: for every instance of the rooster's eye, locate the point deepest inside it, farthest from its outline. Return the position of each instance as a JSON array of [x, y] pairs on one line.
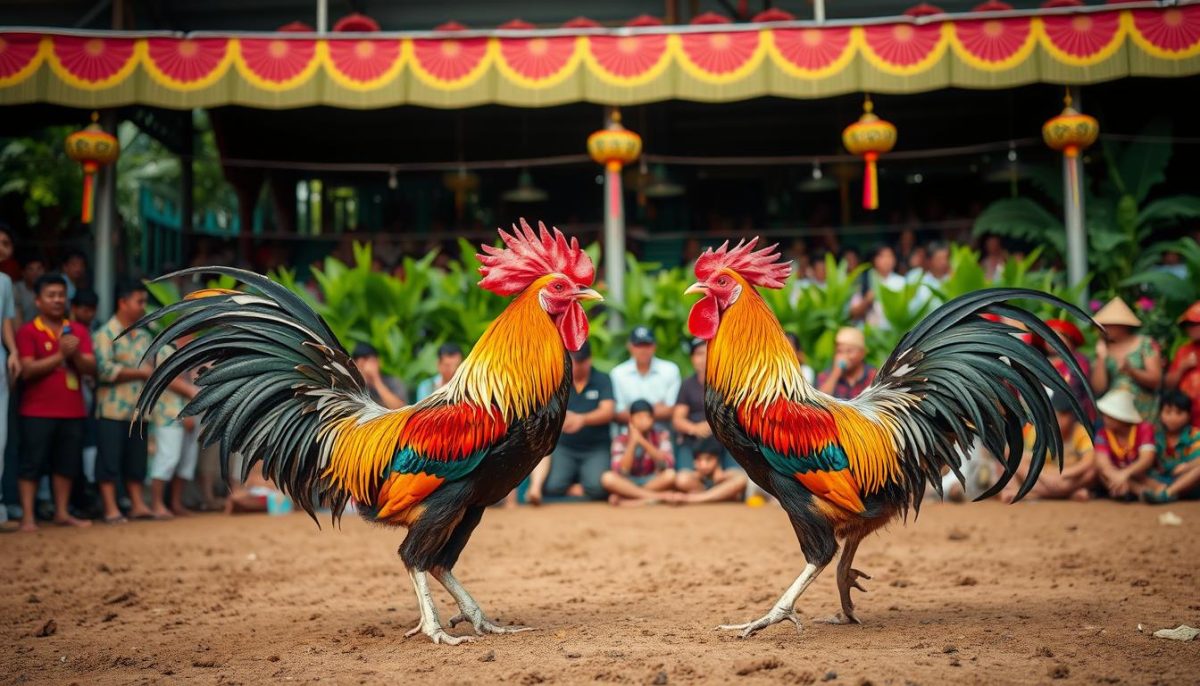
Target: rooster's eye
[[558, 287]]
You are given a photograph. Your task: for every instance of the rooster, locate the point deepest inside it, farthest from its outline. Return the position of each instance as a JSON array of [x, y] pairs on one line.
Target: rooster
[[842, 469], [278, 388]]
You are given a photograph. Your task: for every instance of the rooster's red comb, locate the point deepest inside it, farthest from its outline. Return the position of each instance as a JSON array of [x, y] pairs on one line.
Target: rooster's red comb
[[530, 256], [759, 267]]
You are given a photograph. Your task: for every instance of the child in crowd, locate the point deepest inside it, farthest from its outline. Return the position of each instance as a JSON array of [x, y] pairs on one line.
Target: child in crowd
[[1124, 445], [1078, 473], [709, 482], [1176, 470], [643, 465]]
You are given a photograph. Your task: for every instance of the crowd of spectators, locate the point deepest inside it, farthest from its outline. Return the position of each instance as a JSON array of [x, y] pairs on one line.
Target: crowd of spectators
[[635, 436]]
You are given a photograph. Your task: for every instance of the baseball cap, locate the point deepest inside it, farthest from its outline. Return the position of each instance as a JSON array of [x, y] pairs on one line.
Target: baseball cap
[[364, 350], [641, 335]]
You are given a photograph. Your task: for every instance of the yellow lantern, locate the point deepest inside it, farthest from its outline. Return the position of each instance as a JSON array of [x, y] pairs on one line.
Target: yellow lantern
[[868, 138], [1071, 131], [614, 146], [93, 147]]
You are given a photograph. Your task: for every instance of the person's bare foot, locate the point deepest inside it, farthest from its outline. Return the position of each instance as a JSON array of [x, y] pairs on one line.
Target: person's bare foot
[[181, 512], [533, 497], [614, 499], [1081, 495], [1007, 496], [575, 490], [73, 521], [140, 512], [162, 513], [28, 527], [676, 498]]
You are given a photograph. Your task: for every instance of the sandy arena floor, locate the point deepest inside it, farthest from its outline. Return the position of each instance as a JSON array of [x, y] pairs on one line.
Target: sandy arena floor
[[982, 593]]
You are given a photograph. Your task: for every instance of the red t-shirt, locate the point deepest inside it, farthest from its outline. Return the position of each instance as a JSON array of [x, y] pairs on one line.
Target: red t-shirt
[[59, 394], [1189, 383]]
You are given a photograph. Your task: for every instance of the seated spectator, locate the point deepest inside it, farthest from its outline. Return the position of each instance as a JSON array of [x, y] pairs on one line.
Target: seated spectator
[[55, 355], [1184, 374], [1176, 471], [176, 449], [1124, 445], [688, 418], [385, 390], [850, 374], [582, 454], [449, 357], [1072, 337], [707, 481], [805, 370], [83, 308], [1078, 473], [643, 466], [256, 494], [645, 377], [1127, 360]]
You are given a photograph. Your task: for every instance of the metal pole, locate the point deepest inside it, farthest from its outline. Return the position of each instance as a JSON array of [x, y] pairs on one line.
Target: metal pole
[[187, 184], [819, 11], [105, 219], [322, 16], [614, 240], [1074, 218]]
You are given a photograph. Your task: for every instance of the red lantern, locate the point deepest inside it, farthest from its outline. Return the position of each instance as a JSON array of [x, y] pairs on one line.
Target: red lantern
[[869, 137], [92, 147]]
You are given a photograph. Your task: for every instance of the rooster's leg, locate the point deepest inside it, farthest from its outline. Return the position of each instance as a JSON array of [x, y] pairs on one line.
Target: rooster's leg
[[469, 610], [430, 624], [784, 609], [847, 578]]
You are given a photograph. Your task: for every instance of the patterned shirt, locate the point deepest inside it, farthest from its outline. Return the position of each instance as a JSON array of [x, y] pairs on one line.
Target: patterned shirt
[[846, 389], [1186, 449], [643, 464], [118, 400], [1123, 447], [170, 403]]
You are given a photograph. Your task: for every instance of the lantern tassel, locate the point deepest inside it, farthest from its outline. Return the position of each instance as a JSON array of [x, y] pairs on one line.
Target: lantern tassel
[[89, 178], [870, 182]]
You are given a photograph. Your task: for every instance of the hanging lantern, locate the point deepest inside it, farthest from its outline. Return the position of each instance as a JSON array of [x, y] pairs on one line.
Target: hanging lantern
[[868, 138], [93, 147], [463, 183], [614, 146], [1071, 131]]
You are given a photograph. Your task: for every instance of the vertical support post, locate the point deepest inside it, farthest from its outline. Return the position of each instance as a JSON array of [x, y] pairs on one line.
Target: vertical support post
[[186, 190], [104, 279], [322, 16], [1073, 215], [819, 11], [614, 239]]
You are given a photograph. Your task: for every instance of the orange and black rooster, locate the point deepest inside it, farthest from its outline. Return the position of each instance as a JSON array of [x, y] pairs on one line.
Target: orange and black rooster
[[842, 469], [277, 387]]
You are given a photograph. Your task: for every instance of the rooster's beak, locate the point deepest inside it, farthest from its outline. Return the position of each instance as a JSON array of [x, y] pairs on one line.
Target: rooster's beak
[[697, 288], [588, 294]]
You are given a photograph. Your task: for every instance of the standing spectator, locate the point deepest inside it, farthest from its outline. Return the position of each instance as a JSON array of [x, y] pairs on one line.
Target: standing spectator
[[688, 418], [645, 377], [8, 265], [849, 375], [582, 453], [23, 291], [175, 446], [1127, 360], [385, 390], [1184, 374], [1124, 444], [74, 269], [83, 308], [55, 354], [931, 277], [449, 357], [994, 257], [122, 447], [10, 359], [865, 305], [643, 467]]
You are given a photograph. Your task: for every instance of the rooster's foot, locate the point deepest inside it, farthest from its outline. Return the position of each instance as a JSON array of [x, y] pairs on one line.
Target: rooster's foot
[[483, 625], [842, 618], [438, 635], [775, 616]]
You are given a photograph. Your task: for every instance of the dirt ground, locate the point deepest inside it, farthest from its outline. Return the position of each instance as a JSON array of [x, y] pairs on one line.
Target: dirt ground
[[981, 593]]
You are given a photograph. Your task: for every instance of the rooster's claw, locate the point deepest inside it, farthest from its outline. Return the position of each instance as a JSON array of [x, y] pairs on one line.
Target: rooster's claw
[[438, 635], [484, 626], [775, 616]]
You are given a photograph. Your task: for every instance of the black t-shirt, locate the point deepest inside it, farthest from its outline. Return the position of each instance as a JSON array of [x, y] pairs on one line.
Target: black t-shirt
[[691, 393], [598, 388]]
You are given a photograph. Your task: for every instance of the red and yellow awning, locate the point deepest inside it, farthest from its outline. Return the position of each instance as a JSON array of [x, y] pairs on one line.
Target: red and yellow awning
[[720, 62]]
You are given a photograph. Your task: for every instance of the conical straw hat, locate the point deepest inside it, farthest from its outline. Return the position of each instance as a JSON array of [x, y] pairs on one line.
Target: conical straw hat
[[1117, 313], [1118, 404]]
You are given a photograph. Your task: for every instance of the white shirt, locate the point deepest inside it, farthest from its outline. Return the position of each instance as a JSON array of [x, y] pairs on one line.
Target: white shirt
[[660, 385]]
